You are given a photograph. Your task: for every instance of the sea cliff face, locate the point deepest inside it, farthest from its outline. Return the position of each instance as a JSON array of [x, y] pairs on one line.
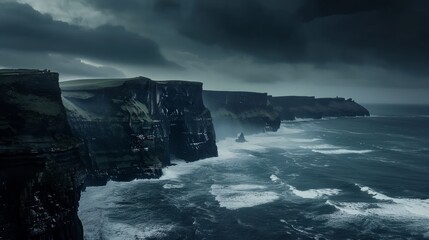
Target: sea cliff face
[[235, 112], [291, 107], [131, 126], [41, 173], [192, 135]]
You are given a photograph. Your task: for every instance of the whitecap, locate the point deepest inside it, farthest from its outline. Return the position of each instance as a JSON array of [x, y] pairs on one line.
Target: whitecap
[[320, 146], [274, 178], [119, 231], [173, 186], [341, 151], [305, 140], [414, 207], [242, 196], [412, 213], [315, 193], [304, 119]]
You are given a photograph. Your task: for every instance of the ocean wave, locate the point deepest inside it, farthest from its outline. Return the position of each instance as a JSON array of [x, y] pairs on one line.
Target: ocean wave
[[304, 140], [341, 151], [274, 178], [320, 146], [310, 193], [96, 205], [315, 193], [410, 212], [303, 120], [119, 231], [415, 207], [285, 129], [172, 186], [242, 196]]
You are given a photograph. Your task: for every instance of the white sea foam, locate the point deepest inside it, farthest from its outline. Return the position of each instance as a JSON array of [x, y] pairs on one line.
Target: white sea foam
[[341, 151], [315, 193], [412, 213], [172, 186], [274, 178], [303, 120], [242, 196], [119, 231], [304, 140], [414, 207], [319, 146], [285, 129]]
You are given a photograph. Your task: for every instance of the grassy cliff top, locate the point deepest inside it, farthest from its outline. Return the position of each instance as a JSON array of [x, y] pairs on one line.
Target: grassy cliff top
[[234, 92], [93, 84], [178, 82], [11, 72]]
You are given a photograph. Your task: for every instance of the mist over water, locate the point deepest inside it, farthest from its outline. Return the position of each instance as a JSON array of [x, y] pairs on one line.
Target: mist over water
[[343, 178]]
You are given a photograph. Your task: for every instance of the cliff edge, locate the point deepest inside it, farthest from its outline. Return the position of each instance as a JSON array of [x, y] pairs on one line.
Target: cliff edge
[[131, 126], [41, 172], [292, 107]]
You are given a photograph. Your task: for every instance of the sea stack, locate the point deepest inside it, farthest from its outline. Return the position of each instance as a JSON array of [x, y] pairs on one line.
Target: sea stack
[[240, 138]]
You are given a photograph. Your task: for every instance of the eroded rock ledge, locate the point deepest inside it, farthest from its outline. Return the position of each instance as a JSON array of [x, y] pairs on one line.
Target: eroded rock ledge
[[41, 173], [131, 126]]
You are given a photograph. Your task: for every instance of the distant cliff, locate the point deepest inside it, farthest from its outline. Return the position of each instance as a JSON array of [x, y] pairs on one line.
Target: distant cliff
[[131, 126], [291, 107], [40, 170], [235, 112]]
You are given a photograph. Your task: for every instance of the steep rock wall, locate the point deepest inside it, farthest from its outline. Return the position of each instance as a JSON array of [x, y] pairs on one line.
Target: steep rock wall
[[235, 112], [131, 126], [192, 133], [122, 126], [41, 172]]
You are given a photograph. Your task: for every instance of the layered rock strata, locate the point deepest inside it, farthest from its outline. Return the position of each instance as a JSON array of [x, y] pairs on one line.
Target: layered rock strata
[[131, 126], [41, 173]]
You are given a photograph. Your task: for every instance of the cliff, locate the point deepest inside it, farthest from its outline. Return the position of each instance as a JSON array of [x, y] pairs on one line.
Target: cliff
[[192, 135], [40, 169], [131, 126], [291, 107], [235, 112]]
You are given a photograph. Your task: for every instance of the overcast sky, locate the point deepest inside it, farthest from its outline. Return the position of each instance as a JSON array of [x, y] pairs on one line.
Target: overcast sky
[[370, 50]]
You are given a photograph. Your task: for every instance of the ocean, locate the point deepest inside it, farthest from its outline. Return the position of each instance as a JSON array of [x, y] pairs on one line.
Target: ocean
[[339, 178]]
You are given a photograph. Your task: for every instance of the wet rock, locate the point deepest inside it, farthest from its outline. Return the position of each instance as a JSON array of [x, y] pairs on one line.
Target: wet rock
[[240, 138]]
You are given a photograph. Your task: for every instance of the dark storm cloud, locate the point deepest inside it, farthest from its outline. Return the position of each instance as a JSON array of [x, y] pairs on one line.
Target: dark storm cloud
[[58, 63], [24, 29], [384, 33]]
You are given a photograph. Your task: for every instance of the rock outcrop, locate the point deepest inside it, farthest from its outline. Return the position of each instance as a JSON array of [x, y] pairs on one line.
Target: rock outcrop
[[291, 107], [131, 126], [247, 112], [41, 173]]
